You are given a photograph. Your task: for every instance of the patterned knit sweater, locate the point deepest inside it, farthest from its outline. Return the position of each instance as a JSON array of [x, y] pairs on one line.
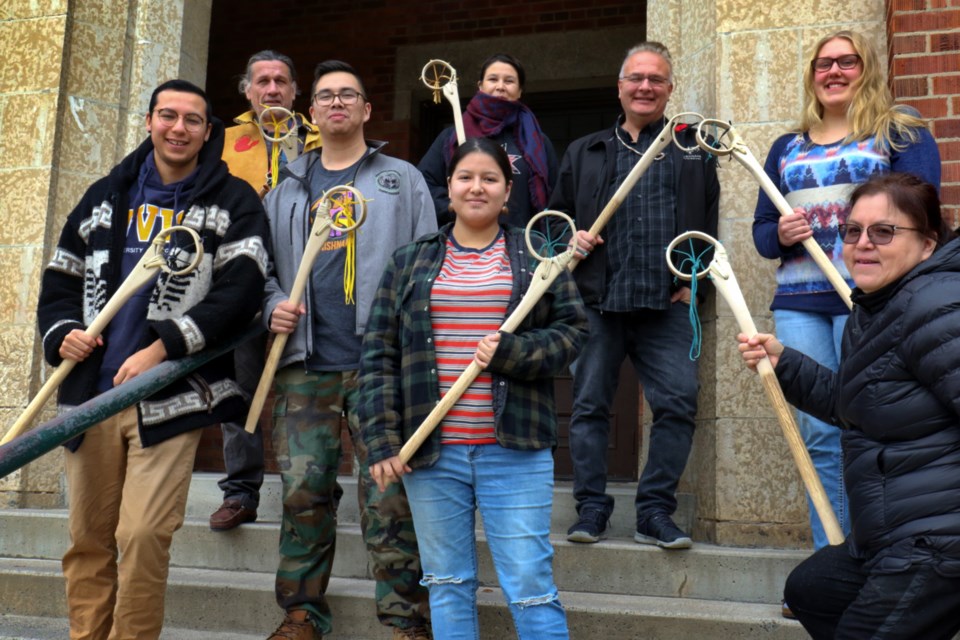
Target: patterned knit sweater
[[187, 313], [819, 179]]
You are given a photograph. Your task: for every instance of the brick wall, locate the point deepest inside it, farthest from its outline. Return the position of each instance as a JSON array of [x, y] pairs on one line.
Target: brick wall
[[366, 33], [924, 56]]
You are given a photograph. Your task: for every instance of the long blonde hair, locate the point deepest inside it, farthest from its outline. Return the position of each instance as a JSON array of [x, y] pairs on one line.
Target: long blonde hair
[[871, 112]]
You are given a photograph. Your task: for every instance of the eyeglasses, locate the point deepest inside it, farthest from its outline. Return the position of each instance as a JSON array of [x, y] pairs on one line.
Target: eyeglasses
[[191, 121], [347, 97], [847, 62], [877, 233], [638, 78]]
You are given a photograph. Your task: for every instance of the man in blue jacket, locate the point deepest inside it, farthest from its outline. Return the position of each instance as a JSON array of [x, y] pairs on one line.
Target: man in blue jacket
[[316, 383], [634, 307]]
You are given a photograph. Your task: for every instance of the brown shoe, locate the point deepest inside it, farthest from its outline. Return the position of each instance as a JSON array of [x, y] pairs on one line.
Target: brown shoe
[[231, 514], [786, 612], [413, 633], [296, 626]]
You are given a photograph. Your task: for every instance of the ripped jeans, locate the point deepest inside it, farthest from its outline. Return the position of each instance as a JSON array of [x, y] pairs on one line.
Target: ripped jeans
[[513, 491]]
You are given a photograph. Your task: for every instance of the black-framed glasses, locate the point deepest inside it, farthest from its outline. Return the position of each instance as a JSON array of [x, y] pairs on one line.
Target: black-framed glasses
[[654, 80], [845, 62], [348, 97], [880, 233], [191, 121]]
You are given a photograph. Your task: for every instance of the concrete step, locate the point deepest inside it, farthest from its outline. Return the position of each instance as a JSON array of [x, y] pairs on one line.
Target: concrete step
[[221, 584], [33, 628], [614, 566], [243, 603], [205, 497]]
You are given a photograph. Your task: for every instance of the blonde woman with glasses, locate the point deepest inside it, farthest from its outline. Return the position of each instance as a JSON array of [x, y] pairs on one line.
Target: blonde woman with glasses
[[849, 131]]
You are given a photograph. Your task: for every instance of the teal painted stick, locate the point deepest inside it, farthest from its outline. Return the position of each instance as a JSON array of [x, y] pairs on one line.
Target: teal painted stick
[[48, 436]]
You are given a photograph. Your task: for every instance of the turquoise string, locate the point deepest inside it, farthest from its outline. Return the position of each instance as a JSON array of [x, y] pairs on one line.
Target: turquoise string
[[694, 262], [551, 247], [716, 140]]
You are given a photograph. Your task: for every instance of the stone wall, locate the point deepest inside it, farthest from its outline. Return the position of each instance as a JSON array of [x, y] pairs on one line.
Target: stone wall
[[74, 89]]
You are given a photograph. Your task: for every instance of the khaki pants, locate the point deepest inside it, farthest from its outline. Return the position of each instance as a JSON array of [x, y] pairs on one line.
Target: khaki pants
[[126, 500]]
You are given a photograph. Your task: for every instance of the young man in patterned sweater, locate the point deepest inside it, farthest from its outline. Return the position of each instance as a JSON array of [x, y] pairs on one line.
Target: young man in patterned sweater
[[128, 476]]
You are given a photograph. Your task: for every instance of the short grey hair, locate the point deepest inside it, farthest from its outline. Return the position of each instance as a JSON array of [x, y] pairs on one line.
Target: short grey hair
[[648, 46], [267, 55]]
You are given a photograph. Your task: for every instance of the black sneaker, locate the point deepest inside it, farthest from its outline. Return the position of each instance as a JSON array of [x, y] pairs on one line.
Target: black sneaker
[[657, 528], [589, 527]]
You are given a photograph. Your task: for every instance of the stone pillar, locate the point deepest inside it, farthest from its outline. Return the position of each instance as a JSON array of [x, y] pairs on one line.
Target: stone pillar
[[742, 61], [74, 88]]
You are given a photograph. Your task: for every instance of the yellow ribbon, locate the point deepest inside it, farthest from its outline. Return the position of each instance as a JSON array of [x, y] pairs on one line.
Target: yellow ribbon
[[341, 215]]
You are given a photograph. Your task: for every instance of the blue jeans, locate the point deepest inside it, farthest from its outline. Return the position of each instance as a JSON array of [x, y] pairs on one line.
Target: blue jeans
[[513, 491], [818, 336], [658, 345]]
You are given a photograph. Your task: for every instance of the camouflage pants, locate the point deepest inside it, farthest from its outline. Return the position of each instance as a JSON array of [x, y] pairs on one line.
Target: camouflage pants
[[306, 438]]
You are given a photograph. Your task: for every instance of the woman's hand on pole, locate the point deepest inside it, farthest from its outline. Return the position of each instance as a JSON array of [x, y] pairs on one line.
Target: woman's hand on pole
[[387, 471], [485, 349], [754, 349], [793, 229]]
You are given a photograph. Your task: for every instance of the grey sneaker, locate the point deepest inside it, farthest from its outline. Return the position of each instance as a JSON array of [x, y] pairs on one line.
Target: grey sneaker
[[657, 528], [589, 527]]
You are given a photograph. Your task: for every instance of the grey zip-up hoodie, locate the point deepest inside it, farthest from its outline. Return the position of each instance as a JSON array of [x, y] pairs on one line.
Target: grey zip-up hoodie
[[399, 210]]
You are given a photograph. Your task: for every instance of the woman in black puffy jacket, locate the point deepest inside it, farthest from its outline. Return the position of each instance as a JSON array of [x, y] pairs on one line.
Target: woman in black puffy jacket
[[896, 398]]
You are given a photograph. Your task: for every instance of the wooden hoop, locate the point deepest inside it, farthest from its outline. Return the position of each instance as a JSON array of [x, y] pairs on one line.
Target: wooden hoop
[[288, 117], [443, 79]]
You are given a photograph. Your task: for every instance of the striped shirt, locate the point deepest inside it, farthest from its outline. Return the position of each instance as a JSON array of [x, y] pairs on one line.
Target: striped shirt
[[467, 302]]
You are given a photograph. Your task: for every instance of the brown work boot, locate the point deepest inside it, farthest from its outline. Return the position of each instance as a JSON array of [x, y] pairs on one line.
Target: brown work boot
[[296, 626], [413, 633], [231, 514]]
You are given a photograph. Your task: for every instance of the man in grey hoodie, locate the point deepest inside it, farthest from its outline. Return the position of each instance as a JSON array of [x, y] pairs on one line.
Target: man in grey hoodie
[[316, 383]]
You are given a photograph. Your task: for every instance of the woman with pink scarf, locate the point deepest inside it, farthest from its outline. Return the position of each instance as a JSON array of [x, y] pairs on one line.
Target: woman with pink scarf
[[496, 112]]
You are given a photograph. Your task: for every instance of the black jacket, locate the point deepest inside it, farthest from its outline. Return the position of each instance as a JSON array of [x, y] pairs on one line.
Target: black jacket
[[187, 312], [589, 168], [897, 398]]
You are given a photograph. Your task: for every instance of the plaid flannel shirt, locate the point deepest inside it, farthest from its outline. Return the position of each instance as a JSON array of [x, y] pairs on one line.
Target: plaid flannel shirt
[[398, 372]]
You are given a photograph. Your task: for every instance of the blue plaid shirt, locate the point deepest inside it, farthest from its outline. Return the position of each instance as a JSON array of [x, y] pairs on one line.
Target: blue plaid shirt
[[638, 234]]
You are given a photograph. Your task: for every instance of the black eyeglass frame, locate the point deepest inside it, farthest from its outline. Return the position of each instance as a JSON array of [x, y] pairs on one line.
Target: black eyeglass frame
[[845, 62], [339, 94]]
